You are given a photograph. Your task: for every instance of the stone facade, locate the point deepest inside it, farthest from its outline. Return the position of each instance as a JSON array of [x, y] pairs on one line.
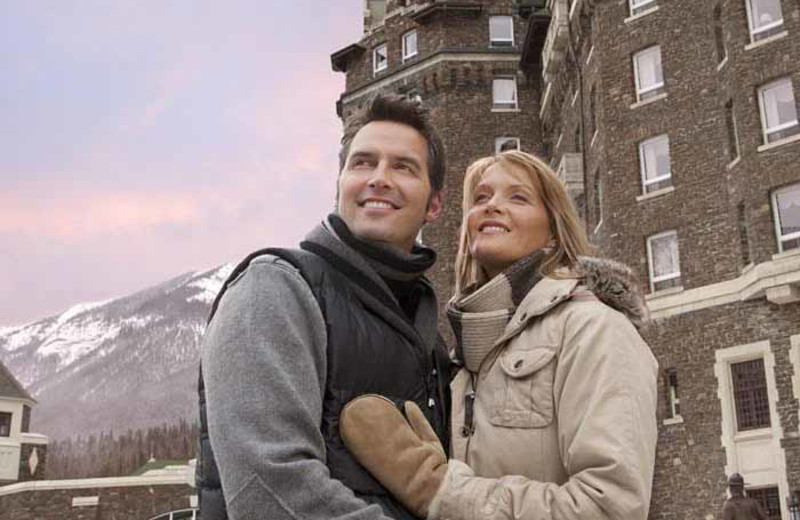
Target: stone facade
[[121, 500], [736, 297]]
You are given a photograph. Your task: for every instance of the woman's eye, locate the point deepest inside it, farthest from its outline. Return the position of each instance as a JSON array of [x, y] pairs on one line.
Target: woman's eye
[[519, 197], [481, 197]]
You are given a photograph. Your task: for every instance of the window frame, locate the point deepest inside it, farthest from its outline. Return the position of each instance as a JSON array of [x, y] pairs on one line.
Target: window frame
[[643, 163], [767, 28], [765, 131], [406, 55], [640, 91], [777, 218], [501, 106], [375, 68], [643, 5], [501, 42], [651, 264], [737, 420], [499, 141]]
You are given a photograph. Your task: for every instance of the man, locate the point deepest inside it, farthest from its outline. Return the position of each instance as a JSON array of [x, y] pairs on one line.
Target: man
[[738, 506], [296, 336]]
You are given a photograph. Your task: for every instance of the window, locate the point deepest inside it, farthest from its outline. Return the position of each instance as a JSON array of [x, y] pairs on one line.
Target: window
[[597, 201], [733, 133], [593, 111], [380, 59], [5, 424], [26, 418], [769, 499], [504, 93], [502, 144], [655, 164], [640, 6], [648, 74], [750, 395], [662, 256], [744, 233], [786, 208], [778, 111], [501, 31], [765, 17], [671, 385], [719, 35], [409, 45]]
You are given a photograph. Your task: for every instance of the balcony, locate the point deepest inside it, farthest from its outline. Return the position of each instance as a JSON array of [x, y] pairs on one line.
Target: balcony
[[555, 45], [570, 170]]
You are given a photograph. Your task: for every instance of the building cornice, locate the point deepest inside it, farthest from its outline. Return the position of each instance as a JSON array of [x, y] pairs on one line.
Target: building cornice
[[442, 56], [777, 280], [94, 483]]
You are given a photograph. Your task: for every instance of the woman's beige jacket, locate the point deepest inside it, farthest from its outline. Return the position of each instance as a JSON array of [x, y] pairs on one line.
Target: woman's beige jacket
[[564, 411]]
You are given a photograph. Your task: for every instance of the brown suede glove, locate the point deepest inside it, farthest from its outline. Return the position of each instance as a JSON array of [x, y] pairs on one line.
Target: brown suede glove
[[404, 455]]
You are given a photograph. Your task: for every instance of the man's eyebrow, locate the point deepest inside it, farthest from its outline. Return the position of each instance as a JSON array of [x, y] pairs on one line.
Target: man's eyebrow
[[362, 154], [409, 160]]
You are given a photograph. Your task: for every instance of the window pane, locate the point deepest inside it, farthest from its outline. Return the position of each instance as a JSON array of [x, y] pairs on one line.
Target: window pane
[[410, 44], [5, 424], [665, 255], [501, 29], [504, 91], [769, 499], [778, 100], [656, 158], [750, 395], [648, 66], [380, 58], [787, 207], [502, 144], [765, 12]]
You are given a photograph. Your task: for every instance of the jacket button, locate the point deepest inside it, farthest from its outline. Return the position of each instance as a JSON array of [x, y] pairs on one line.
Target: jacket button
[[464, 431]]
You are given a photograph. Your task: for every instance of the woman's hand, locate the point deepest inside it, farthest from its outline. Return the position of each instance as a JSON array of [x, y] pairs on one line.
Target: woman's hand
[[403, 453]]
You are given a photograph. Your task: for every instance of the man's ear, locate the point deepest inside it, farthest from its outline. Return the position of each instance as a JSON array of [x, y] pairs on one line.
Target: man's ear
[[434, 207]]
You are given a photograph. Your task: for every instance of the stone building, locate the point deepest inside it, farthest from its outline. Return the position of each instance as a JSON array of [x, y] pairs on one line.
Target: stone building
[[674, 124]]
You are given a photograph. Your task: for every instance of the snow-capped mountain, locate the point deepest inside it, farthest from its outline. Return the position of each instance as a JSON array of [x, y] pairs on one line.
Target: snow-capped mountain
[[125, 363]]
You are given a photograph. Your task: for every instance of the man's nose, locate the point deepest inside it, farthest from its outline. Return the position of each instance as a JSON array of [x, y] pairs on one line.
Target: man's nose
[[381, 176]]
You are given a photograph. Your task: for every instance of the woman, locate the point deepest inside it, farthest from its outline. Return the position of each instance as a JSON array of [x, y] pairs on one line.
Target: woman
[[554, 406]]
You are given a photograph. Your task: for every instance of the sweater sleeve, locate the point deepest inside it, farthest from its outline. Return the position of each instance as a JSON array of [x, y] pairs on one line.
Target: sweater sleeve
[[264, 365], [605, 399]]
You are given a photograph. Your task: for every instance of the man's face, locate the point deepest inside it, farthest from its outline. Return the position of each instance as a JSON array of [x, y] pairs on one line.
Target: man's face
[[384, 188]]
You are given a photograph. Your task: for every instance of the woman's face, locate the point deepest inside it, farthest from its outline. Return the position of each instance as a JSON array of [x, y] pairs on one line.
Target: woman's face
[[507, 221]]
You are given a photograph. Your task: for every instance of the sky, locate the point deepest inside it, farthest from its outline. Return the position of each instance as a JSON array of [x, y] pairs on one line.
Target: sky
[[142, 139]]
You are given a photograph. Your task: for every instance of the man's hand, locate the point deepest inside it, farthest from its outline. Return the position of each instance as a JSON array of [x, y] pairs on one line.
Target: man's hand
[[403, 453]]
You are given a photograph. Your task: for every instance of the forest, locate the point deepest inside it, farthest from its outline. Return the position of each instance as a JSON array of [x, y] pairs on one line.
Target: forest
[[112, 455]]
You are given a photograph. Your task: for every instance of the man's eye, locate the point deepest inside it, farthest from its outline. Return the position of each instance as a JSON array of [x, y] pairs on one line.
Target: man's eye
[[359, 162]]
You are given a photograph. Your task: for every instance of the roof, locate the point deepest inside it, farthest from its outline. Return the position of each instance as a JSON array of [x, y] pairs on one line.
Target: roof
[[153, 464], [341, 58], [10, 387]]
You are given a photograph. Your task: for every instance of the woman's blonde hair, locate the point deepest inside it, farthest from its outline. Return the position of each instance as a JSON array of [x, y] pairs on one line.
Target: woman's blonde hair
[[569, 237]]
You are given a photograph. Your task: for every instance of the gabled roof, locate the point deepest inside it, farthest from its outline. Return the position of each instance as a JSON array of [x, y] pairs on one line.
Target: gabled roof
[[10, 387]]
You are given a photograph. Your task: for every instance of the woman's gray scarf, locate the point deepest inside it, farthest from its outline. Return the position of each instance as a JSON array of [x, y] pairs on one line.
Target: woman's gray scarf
[[480, 314]]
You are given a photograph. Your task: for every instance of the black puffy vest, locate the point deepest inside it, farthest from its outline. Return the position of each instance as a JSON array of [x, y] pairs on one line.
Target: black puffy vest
[[366, 353]]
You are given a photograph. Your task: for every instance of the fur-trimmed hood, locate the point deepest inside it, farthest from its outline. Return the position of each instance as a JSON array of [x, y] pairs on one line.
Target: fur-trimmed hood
[[616, 285]]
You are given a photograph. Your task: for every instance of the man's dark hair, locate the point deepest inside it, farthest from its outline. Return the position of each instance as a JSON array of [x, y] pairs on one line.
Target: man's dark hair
[[397, 109]]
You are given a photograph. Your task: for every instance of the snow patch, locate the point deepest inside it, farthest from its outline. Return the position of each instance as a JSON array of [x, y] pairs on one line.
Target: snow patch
[[209, 284], [78, 309]]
